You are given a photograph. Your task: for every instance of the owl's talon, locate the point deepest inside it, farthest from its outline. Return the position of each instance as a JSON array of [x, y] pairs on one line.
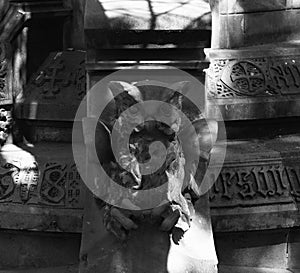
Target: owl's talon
[[170, 221], [126, 222]]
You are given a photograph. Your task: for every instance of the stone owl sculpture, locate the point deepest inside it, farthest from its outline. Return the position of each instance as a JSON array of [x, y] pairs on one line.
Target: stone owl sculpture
[[180, 147]]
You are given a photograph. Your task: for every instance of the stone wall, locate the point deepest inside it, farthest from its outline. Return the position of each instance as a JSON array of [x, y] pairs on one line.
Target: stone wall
[[242, 23]]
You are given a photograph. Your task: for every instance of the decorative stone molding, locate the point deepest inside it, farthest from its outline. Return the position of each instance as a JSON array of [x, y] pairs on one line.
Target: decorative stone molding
[[5, 75], [252, 185], [28, 181], [56, 90], [266, 76], [255, 77], [40, 190]]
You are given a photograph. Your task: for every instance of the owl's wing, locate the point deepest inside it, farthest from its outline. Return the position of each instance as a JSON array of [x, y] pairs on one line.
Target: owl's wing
[[103, 143], [197, 141], [207, 133]]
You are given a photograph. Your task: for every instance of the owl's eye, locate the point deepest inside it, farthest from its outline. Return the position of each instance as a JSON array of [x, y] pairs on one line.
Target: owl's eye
[[166, 110], [133, 110]]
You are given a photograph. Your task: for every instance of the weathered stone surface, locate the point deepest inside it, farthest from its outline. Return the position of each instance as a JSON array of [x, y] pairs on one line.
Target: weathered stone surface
[[56, 89], [255, 28], [147, 248], [231, 32], [4, 5], [268, 76], [266, 249], [247, 269], [232, 205], [259, 252], [5, 75], [265, 27], [40, 188], [294, 250], [245, 6], [37, 250], [258, 187], [74, 27], [60, 269]]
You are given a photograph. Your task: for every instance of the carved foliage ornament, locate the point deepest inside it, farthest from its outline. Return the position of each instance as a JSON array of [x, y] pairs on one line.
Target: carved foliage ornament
[[5, 75]]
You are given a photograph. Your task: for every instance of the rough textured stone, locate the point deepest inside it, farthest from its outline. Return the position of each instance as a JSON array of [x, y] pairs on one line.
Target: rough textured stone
[[56, 89], [248, 29], [245, 196], [60, 269], [265, 27], [74, 27], [294, 249], [31, 197], [148, 248], [253, 249], [246, 269], [37, 250], [245, 6], [267, 76]]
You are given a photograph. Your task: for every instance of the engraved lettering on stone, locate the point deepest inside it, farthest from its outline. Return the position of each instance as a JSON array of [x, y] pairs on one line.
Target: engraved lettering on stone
[[273, 183], [279, 76], [277, 174], [226, 182], [286, 77], [263, 182], [246, 184], [294, 179]]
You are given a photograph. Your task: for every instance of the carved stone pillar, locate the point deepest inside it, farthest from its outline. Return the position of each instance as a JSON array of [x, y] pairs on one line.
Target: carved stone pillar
[[254, 80]]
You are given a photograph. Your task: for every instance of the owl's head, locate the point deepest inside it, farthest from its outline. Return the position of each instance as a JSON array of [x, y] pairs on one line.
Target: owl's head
[[152, 101]]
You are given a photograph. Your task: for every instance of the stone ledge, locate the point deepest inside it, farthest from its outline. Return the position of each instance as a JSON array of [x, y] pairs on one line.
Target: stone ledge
[[244, 6], [243, 269], [257, 51]]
